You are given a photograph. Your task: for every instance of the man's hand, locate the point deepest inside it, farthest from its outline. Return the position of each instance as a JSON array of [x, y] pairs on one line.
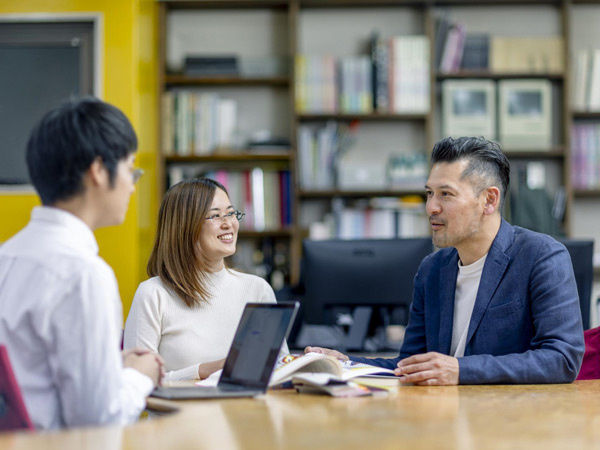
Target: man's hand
[[146, 362], [206, 369], [428, 369], [326, 351]]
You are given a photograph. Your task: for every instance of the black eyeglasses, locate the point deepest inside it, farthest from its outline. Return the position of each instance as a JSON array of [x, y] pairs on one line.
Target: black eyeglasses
[[218, 218]]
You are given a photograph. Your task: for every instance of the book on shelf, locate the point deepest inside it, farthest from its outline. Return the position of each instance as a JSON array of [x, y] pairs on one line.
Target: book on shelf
[[316, 87], [585, 156], [380, 73], [207, 65], [196, 123], [289, 366], [319, 150], [355, 85], [409, 76], [476, 52], [264, 194], [527, 54], [442, 28], [394, 77], [383, 218], [581, 78], [269, 145], [453, 49], [456, 49]]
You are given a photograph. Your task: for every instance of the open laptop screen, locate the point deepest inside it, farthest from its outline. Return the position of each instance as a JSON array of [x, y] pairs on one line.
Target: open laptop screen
[[258, 339]]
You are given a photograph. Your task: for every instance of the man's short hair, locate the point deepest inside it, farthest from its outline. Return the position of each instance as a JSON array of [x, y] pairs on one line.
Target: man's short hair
[[67, 140], [488, 166]]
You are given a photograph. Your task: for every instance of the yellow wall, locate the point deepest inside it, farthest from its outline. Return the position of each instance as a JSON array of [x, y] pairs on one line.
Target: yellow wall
[[129, 82]]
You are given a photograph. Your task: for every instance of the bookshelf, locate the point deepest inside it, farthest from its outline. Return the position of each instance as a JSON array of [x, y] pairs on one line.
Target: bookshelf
[[322, 31], [536, 36], [258, 96]]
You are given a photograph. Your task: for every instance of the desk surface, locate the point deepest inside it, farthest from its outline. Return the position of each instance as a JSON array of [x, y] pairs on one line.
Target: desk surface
[[464, 417]]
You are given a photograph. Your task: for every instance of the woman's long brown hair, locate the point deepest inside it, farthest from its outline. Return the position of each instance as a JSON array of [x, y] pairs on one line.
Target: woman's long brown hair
[[175, 257]]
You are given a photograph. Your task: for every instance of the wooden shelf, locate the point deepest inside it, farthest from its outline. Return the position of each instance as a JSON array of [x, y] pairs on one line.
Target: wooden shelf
[[225, 4], [498, 76], [585, 114], [494, 2], [425, 123], [189, 80], [361, 194], [557, 153], [374, 117], [230, 157], [587, 193], [360, 3], [249, 234]]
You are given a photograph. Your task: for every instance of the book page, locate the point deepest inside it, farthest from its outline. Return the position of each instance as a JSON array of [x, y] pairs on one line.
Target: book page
[[353, 369], [288, 365]]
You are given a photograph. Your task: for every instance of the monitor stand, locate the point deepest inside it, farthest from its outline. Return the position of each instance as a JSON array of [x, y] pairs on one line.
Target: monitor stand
[[355, 339]]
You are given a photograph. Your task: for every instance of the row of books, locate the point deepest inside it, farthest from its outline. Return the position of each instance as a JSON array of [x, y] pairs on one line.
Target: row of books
[[319, 150], [264, 195], [196, 123], [585, 156], [394, 78], [586, 76], [456, 49], [379, 218], [326, 84]]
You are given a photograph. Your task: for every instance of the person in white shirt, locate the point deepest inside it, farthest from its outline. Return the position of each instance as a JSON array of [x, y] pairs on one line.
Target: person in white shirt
[[189, 310], [60, 311]]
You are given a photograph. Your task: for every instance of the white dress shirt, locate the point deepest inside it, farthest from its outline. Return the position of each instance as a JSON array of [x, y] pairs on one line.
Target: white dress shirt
[[60, 318], [184, 336]]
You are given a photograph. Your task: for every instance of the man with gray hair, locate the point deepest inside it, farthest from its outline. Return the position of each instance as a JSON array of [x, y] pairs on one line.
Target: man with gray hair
[[497, 303]]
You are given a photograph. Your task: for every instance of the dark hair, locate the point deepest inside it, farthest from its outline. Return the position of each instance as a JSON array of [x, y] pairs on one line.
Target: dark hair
[[176, 257], [486, 161], [66, 141]]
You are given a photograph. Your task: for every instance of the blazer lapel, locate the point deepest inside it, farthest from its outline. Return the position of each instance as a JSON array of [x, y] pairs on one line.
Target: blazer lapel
[[448, 275], [496, 264]]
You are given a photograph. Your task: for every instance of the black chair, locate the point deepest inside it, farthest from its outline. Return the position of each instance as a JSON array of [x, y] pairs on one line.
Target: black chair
[[582, 257]]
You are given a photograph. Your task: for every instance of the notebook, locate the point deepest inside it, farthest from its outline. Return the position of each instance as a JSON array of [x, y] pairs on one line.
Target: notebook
[[252, 355], [13, 413]]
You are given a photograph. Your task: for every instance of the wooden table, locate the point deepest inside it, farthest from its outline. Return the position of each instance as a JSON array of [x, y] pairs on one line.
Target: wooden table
[[465, 417]]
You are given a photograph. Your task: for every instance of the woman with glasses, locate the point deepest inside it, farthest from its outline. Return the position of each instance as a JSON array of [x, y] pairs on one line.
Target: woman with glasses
[[189, 309]]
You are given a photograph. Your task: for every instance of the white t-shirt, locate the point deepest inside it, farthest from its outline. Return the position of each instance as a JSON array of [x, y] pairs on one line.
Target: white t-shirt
[[60, 319], [467, 285], [186, 337]]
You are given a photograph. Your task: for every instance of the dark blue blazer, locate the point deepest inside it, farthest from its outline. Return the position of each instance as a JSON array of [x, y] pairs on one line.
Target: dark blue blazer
[[526, 323]]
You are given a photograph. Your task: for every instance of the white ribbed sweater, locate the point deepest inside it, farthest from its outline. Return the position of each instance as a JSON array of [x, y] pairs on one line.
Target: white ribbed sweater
[[186, 337]]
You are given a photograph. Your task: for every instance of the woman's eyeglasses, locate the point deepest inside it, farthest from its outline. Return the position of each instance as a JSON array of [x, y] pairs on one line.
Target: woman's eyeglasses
[[218, 218]]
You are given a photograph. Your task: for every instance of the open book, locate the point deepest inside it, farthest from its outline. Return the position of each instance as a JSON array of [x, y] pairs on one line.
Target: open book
[[288, 366]]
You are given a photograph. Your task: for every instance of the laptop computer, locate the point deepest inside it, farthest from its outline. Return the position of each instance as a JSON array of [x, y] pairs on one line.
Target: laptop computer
[[252, 355]]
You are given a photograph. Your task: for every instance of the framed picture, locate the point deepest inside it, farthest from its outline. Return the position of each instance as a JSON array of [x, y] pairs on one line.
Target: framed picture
[[469, 108], [525, 114]]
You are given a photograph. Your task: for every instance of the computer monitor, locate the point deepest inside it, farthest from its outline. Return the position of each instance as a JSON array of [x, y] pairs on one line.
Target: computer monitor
[[345, 276], [582, 257]]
